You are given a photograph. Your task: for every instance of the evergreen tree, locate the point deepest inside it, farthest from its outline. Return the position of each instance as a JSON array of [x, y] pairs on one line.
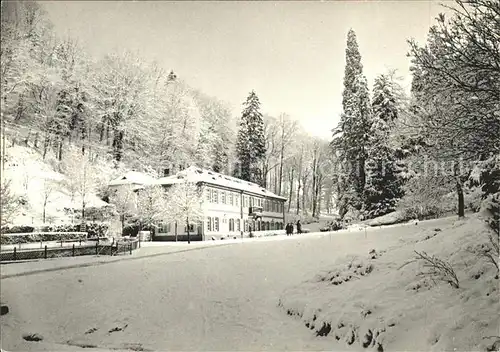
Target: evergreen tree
[[250, 143], [351, 136], [383, 183]]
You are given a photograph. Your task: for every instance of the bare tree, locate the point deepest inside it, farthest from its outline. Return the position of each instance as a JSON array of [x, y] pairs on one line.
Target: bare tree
[[184, 204], [47, 190], [287, 129], [9, 203], [151, 205], [81, 177], [124, 200]]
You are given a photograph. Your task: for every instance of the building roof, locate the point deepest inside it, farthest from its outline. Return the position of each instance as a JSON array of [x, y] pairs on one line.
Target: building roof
[[133, 177], [195, 174]]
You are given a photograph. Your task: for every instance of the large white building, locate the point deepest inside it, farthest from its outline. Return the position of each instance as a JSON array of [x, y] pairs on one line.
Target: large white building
[[231, 207]]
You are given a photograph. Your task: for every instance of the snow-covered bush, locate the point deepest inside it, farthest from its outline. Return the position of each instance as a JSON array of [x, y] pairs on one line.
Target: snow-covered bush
[[426, 197], [473, 198], [18, 229]]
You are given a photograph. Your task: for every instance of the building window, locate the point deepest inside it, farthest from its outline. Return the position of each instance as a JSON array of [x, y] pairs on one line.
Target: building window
[[216, 227], [238, 228], [209, 195], [164, 228], [231, 224], [191, 228], [246, 225], [223, 197], [209, 224], [231, 198], [215, 196], [236, 198]]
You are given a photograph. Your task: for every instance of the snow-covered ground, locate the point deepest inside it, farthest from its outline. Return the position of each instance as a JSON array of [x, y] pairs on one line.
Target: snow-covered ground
[[226, 297]]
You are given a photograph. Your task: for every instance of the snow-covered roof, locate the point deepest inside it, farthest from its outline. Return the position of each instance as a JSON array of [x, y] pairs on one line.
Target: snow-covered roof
[[133, 177], [195, 174]]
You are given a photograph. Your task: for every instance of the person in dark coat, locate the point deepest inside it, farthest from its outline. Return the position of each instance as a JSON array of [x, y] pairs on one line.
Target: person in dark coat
[[287, 229], [299, 227]]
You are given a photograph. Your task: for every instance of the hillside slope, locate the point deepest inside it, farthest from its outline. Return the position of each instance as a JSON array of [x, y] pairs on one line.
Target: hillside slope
[[390, 300], [35, 181]]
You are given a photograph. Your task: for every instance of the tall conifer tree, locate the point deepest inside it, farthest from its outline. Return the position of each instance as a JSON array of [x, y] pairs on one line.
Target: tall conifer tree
[[250, 144], [383, 186], [351, 136]]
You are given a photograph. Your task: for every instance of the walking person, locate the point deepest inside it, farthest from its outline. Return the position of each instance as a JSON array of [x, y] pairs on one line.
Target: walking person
[[287, 229], [299, 227]]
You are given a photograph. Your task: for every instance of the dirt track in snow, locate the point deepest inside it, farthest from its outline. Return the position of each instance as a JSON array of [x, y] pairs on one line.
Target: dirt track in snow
[[220, 298]]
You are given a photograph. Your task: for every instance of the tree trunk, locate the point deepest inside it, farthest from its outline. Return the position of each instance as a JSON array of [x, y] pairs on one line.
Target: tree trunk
[[60, 151], [291, 191], [101, 132], [314, 181], [107, 134], [187, 223], [27, 139], [304, 183], [299, 179], [83, 213], [460, 192], [461, 202], [122, 218], [45, 146], [298, 196], [118, 145], [280, 178]]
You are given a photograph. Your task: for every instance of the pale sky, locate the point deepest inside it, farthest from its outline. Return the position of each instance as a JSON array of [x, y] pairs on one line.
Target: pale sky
[[291, 53]]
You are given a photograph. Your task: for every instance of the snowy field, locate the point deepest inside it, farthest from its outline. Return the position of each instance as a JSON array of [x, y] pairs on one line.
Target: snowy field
[[218, 298]]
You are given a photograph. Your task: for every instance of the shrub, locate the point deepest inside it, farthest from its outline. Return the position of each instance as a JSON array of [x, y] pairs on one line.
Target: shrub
[[130, 229], [421, 212], [18, 229], [438, 269], [96, 229], [334, 225]]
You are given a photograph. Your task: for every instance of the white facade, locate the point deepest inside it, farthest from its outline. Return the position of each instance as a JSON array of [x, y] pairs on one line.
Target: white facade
[[231, 207]]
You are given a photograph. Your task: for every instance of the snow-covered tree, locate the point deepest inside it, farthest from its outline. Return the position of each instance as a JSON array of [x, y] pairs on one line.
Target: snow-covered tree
[[216, 137], [383, 186], [48, 189], [351, 136], [151, 205], [250, 142], [9, 202], [124, 199], [184, 204], [81, 177], [456, 88]]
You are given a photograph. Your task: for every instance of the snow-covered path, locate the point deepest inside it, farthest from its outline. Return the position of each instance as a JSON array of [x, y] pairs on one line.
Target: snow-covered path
[[220, 298]]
